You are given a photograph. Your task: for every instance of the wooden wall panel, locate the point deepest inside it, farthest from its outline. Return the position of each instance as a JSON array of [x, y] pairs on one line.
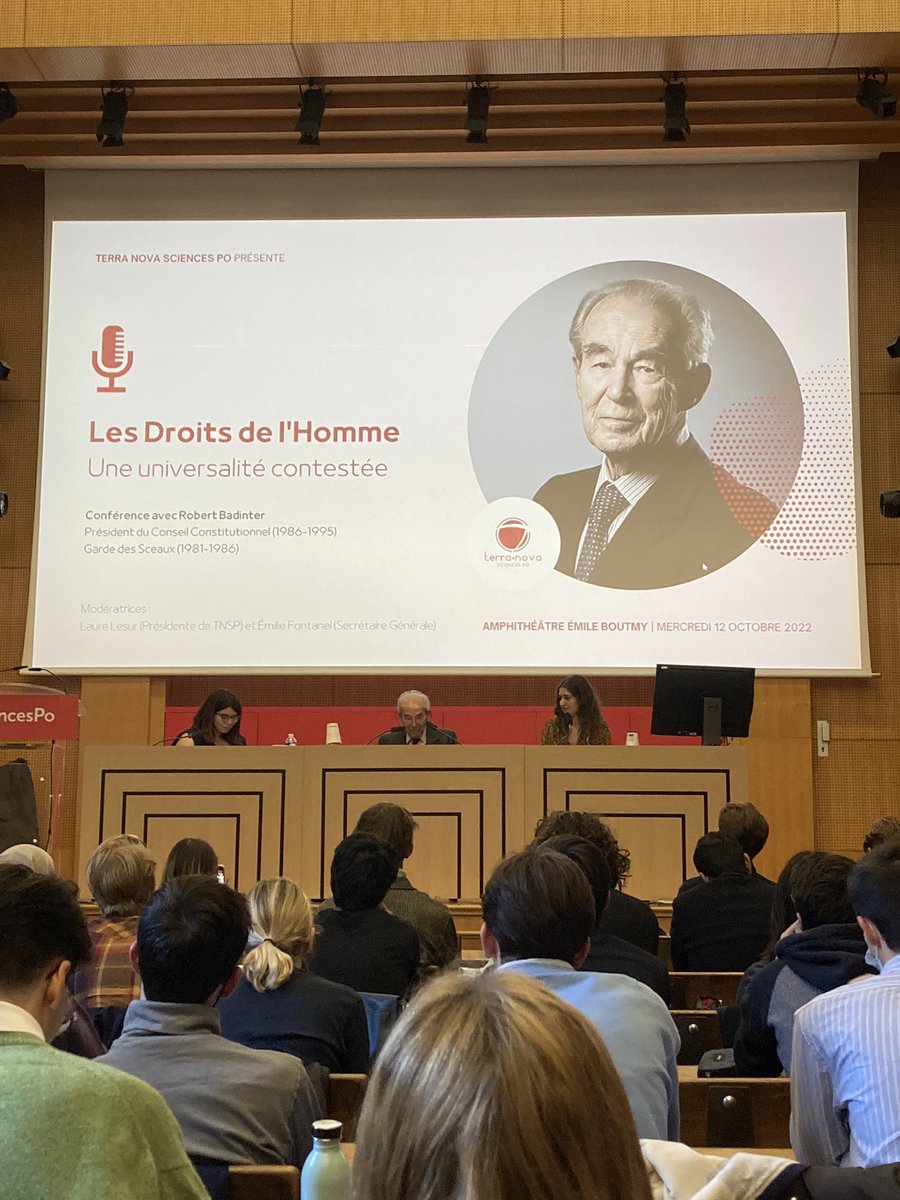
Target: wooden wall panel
[[857, 782], [411, 20], [621, 19], [21, 322], [154, 22], [158, 22], [880, 437], [12, 23], [863, 16]]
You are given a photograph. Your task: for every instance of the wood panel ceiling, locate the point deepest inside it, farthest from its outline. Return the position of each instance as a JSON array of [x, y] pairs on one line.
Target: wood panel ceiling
[[570, 119]]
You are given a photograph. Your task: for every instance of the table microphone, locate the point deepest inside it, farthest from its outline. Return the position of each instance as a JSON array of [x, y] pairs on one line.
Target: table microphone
[[393, 729]]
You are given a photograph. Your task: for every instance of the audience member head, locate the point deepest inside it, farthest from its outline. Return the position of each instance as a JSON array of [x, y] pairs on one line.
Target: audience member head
[[190, 940], [281, 918], [362, 871], [538, 904], [586, 825], [219, 718], [591, 860], [819, 890], [121, 876], [783, 912], [885, 829], [715, 854], [43, 937], [746, 824], [392, 823], [190, 856], [26, 854], [875, 894], [502, 1091]]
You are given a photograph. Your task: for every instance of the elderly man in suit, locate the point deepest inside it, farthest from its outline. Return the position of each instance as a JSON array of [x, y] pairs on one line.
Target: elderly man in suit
[[655, 512], [416, 728]]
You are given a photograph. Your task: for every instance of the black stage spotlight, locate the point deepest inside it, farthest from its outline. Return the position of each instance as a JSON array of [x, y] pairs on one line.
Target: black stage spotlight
[[894, 349], [873, 93], [5, 369], [111, 130], [312, 109], [478, 103], [676, 126], [890, 504], [8, 105]]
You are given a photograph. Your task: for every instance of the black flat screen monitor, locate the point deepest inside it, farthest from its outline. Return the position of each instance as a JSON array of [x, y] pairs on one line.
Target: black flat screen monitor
[[709, 702]]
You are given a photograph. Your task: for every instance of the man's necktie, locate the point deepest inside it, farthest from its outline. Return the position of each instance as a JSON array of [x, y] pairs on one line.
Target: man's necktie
[[608, 503], [414, 741]]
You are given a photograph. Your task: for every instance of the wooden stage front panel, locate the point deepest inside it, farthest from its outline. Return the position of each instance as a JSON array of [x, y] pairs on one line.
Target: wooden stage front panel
[[282, 810], [658, 800]]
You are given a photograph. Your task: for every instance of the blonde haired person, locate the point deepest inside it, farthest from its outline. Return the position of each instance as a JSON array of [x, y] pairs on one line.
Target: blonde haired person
[[279, 1003], [494, 1089], [26, 854], [121, 877]]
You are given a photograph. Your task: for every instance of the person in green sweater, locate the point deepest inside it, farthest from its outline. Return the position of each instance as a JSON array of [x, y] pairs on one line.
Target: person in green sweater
[[70, 1128]]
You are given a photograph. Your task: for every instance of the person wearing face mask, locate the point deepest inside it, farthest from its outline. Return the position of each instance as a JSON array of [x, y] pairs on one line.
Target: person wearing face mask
[[845, 1061], [655, 512], [822, 948], [70, 1128]]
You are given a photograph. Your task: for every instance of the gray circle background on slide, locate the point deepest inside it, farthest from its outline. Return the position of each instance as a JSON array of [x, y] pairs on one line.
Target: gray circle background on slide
[[524, 415]]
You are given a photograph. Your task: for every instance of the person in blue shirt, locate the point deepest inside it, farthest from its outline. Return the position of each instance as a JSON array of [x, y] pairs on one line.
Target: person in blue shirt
[[539, 914]]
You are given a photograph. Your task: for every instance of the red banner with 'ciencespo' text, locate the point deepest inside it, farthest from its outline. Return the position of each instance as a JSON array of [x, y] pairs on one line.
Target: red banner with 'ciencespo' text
[[38, 718]]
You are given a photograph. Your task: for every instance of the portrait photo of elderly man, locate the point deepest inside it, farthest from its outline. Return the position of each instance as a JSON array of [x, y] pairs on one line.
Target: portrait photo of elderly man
[[654, 511]]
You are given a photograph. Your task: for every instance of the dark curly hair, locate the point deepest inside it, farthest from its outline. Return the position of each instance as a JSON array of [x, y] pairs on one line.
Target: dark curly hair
[[591, 828]]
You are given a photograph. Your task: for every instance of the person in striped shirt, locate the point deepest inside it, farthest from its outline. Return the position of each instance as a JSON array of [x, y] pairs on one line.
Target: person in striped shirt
[[845, 1071]]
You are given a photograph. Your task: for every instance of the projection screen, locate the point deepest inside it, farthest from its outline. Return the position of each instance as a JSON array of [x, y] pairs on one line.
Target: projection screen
[[370, 444]]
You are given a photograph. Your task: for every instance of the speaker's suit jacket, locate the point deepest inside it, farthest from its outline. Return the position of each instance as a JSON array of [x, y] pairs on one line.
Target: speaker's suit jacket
[[681, 529], [433, 737]]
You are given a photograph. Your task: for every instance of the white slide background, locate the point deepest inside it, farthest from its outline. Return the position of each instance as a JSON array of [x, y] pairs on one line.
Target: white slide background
[[266, 552]]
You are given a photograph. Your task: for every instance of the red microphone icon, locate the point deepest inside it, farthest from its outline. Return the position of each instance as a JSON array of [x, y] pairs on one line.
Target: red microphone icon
[[114, 360]]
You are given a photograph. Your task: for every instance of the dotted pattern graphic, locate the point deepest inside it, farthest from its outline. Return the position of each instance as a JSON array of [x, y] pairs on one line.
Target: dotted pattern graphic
[[755, 474], [768, 463], [818, 519]]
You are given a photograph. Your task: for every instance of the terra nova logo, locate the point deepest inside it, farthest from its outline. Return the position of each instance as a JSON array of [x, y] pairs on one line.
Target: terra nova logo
[[513, 534]]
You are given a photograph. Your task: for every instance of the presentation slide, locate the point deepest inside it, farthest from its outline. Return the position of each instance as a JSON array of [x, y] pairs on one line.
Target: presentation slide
[[591, 443]]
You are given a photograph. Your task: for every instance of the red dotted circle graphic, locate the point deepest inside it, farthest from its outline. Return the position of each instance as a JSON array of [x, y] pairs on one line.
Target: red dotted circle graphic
[[805, 469]]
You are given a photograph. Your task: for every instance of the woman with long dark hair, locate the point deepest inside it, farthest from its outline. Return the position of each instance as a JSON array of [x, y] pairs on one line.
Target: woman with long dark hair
[[217, 722], [577, 719]]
